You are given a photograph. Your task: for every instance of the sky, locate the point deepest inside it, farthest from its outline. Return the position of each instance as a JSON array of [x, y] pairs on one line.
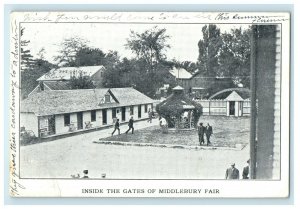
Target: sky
[[183, 40]]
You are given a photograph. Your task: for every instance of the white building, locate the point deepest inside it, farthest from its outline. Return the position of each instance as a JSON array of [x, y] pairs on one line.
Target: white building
[[62, 112]]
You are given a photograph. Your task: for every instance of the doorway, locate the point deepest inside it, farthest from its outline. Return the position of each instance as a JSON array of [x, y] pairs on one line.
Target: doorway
[[79, 121], [139, 111], [51, 124], [123, 113], [231, 108]]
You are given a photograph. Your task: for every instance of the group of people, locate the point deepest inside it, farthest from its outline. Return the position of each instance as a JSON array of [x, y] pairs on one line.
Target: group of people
[[207, 131], [234, 173], [117, 126]]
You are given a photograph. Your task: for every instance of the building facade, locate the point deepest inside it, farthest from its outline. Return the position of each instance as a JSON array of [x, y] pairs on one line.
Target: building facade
[[228, 102], [65, 111]]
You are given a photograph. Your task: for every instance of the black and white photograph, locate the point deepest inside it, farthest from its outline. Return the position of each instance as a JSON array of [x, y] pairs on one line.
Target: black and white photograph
[[149, 99]]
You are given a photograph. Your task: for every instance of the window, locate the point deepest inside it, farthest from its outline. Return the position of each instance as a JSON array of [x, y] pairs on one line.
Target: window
[[107, 98], [67, 119], [93, 115], [145, 108], [131, 110]]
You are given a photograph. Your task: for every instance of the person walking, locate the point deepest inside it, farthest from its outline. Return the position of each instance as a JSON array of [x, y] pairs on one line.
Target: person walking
[[117, 127], [232, 172], [130, 125], [208, 133], [201, 131]]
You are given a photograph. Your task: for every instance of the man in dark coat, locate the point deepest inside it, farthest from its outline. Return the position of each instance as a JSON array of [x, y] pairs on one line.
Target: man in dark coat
[[130, 125], [208, 133], [246, 170], [117, 127], [201, 131], [232, 172]]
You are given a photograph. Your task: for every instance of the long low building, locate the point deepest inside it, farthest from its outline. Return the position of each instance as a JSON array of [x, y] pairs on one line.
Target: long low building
[[60, 112]]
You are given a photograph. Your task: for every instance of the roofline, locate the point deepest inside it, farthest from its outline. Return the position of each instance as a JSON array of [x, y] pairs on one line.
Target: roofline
[[100, 108], [101, 67], [48, 87], [230, 89], [32, 91], [113, 96]]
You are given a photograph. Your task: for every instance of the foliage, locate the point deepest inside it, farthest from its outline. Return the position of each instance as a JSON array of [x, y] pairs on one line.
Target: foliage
[[81, 82], [209, 48], [88, 57], [27, 138], [234, 57], [26, 57], [150, 46], [69, 48], [189, 66], [148, 70], [172, 108], [29, 76], [225, 55]]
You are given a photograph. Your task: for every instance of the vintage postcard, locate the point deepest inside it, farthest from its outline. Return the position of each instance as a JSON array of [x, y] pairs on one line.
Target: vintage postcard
[[149, 104]]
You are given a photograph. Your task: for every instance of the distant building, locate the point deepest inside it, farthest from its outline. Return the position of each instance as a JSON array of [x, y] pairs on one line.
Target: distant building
[[162, 92], [52, 113], [228, 102], [58, 78], [197, 85]]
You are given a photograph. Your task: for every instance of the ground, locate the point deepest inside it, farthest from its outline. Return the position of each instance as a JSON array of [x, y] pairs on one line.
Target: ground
[[227, 132], [69, 156]]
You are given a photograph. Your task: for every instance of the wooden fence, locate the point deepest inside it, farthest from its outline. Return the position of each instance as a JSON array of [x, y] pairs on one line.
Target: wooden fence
[[221, 107]]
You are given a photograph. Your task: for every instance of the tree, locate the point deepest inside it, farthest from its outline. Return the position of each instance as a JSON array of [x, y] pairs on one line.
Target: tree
[[26, 57], [147, 71], [87, 56], [149, 46], [234, 56], [69, 48], [209, 48]]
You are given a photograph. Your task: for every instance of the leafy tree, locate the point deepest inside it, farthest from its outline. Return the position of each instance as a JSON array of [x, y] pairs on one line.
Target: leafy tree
[[209, 48], [148, 70], [81, 82], [69, 48], [191, 67], [88, 57], [225, 55], [149, 46], [234, 56]]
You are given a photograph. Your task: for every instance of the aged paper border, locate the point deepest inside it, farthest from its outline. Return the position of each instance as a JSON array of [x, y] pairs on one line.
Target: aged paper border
[[73, 188]]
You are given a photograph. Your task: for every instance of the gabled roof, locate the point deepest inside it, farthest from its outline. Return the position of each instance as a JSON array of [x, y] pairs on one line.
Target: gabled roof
[[65, 73], [234, 97], [180, 73], [68, 101]]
